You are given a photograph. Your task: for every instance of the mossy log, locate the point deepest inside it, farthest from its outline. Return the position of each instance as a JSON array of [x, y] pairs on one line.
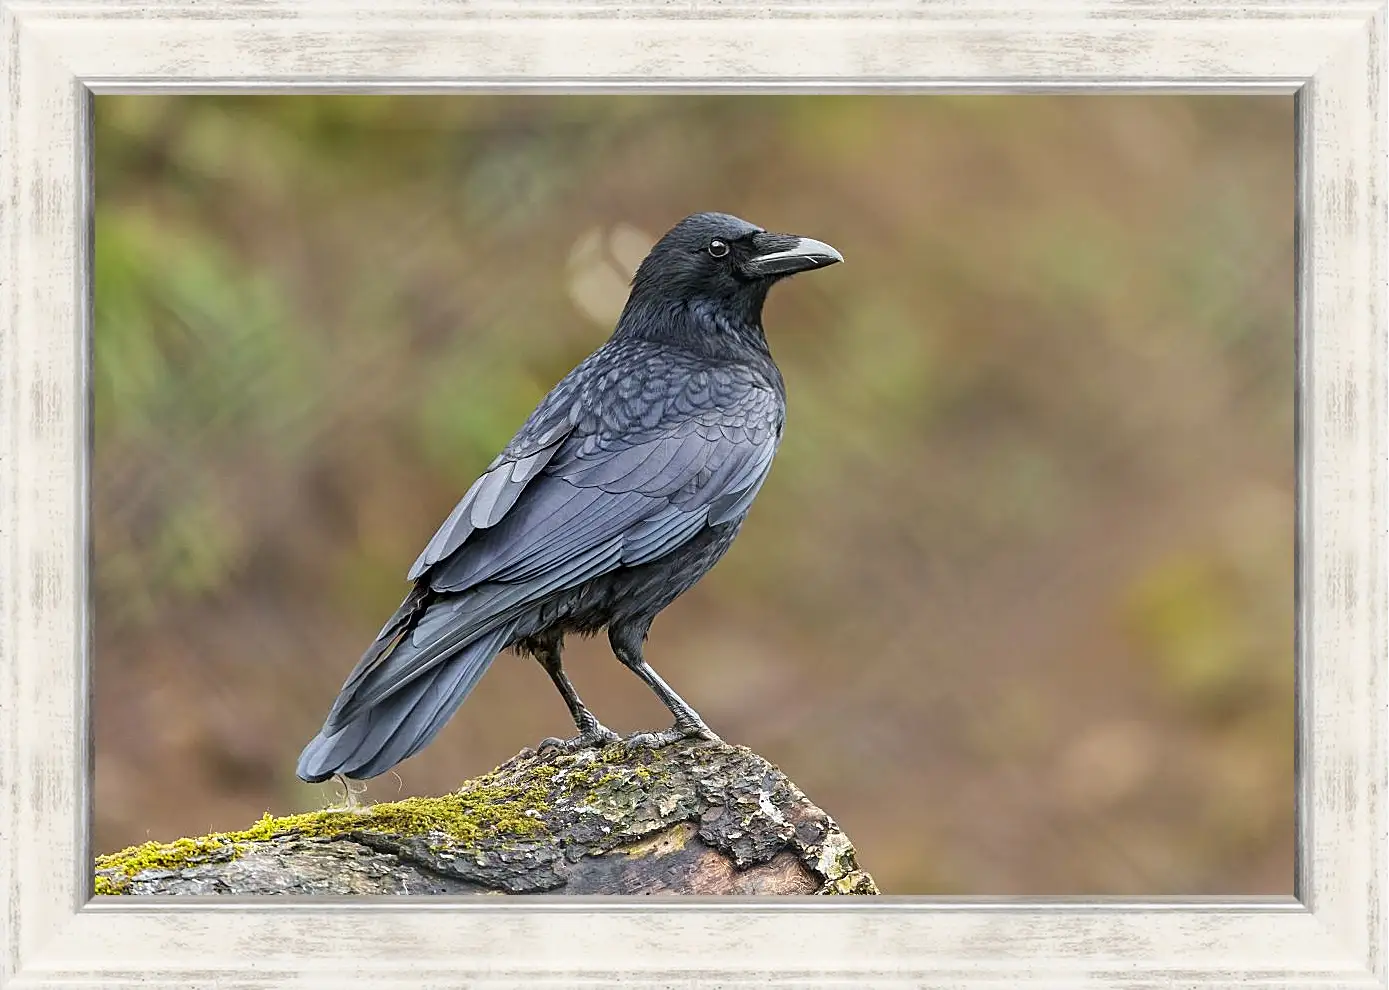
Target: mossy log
[[694, 818]]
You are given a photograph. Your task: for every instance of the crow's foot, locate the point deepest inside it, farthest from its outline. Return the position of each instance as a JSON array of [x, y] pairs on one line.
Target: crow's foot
[[596, 735], [655, 740]]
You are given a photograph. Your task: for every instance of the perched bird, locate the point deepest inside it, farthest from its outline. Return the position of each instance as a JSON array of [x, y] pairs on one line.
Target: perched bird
[[626, 484]]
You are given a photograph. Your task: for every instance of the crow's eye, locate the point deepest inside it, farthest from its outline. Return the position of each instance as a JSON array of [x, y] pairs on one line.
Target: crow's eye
[[717, 248]]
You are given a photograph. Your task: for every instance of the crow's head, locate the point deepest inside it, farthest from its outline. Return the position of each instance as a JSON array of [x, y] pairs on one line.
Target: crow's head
[[723, 262]]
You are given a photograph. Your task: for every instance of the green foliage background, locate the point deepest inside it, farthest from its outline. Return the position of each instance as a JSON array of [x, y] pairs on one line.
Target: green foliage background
[[1016, 604]]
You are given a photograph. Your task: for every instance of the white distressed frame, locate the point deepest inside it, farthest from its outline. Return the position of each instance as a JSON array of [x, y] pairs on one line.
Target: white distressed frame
[[56, 53]]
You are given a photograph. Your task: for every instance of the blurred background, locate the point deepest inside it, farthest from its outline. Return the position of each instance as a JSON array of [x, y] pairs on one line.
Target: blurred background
[[1016, 605]]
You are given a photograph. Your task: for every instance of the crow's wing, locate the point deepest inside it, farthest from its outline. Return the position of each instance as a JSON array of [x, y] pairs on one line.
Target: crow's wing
[[651, 494], [605, 379], [599, 503]]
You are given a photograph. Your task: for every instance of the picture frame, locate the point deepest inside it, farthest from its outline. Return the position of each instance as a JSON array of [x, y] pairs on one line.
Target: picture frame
[[57, 55]]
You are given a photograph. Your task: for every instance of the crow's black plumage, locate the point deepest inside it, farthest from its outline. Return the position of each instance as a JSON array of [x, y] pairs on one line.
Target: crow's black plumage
[[627, 483]]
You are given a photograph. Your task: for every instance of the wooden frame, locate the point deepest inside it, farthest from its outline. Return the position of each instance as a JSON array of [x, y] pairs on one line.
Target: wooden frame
[[56, 53]]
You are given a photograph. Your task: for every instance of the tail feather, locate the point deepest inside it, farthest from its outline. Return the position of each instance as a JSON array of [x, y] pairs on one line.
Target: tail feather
[[402, 724], [387, 641]]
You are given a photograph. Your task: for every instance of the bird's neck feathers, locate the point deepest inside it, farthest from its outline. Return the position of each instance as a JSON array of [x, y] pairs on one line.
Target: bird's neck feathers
[[725, 328]]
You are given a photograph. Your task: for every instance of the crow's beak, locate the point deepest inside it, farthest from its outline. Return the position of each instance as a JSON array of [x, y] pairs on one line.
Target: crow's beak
[[786, 254]]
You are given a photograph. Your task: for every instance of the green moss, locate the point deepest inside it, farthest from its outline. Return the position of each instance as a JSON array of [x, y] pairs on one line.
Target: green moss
[[614, 753], [486, 806], [608, 769], [608, 781], [587, 778]]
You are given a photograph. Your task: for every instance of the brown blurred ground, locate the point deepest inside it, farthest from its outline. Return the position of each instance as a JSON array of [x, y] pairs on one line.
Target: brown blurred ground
[[1015, 605]]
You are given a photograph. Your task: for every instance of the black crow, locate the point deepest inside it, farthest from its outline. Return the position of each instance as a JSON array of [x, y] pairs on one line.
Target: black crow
[[627, 483]]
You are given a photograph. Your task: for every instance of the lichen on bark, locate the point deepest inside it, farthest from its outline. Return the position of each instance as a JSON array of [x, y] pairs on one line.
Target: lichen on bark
[[694, 818]]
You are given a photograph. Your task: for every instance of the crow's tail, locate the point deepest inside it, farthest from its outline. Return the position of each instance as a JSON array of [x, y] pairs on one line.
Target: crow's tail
[[398, 726]]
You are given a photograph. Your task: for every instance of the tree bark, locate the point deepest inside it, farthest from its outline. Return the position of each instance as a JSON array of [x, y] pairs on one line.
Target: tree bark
[[693, 818]]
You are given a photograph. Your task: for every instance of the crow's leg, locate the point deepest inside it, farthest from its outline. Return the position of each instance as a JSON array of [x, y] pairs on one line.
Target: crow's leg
[[627, 643], [591, 731]]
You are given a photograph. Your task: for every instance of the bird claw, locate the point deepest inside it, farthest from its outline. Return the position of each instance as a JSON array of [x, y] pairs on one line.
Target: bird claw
[[596, 737], [666, 737]]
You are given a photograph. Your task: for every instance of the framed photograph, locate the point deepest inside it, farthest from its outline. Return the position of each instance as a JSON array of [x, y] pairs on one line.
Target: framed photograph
[[1057, 636]]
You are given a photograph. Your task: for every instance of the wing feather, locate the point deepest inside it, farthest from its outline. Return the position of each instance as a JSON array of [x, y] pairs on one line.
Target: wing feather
[[657, 536], [654, 494], [491, 496], [695, 451]]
